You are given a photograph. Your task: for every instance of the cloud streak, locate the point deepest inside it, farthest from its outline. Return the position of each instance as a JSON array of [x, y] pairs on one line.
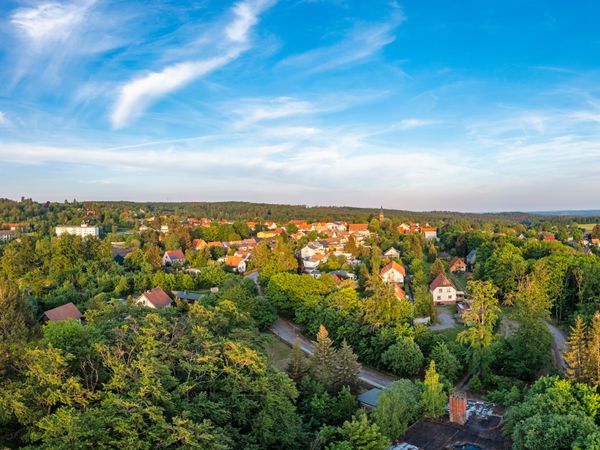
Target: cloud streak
[[137, 95]]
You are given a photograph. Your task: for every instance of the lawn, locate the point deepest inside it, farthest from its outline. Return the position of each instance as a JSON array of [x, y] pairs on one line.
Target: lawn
[[277, 351], [459, 279]]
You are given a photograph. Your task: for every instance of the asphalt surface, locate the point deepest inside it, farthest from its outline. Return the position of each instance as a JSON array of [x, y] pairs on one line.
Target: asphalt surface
[[444, 319], [559, 345], [289, 333]]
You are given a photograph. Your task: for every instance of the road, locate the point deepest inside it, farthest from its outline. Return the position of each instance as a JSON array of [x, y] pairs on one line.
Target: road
[[559, 345], [290, 332]]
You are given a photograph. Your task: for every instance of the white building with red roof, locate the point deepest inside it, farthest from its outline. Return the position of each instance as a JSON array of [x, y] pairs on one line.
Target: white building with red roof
[[443, 290], [172, 257], [154, 298], [393, 272]]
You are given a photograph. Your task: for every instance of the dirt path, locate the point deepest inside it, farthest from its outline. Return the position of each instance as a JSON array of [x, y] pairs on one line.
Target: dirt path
[[560, 341]]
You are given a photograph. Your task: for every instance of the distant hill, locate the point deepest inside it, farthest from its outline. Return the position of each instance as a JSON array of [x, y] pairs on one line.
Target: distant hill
[[576, 212]]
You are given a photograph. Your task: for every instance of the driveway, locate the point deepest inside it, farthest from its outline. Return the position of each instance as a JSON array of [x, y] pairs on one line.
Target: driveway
[[445, 319], [290, 332], [558, 347]]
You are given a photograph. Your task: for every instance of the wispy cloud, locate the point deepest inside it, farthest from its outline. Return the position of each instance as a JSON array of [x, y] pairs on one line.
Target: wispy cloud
[[50, 22], [137, 95], [3, 119], [358, 46]]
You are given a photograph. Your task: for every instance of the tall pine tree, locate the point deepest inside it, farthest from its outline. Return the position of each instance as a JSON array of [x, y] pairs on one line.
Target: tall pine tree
[[593, 367], [347, 366], [324, 359], [575, 353], [297, 366]]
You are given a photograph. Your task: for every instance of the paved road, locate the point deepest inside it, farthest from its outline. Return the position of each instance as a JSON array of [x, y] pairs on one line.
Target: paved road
[[290, 332], [559, 345]]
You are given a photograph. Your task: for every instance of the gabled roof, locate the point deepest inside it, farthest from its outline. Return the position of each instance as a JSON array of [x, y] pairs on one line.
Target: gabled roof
[[199, 244], [392, 265], [233, 261], [358, 227], [64, 312], [399, 292], [455, 260], [157, 297], [428, 230], [440, 281], [175, 254]]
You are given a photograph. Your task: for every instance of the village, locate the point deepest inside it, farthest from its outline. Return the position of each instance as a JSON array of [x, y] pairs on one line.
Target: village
[[333, 251]]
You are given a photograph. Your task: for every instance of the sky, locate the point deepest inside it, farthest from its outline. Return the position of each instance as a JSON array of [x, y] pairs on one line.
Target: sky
[[471, 106]]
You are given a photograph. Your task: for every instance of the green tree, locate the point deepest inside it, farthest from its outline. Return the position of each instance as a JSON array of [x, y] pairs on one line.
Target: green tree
[[446, 362], [434, 398], [298, 366], [346, 366], [480, 319], [398, 406], [323, 361], [403, 358], [437, 268], [575, 353], [364, 435]]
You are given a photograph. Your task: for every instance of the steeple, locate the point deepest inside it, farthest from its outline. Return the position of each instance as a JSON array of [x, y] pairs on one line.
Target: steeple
[[381, 216]]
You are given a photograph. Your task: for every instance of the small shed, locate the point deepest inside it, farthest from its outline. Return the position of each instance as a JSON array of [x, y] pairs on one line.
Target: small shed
[[370, 398]]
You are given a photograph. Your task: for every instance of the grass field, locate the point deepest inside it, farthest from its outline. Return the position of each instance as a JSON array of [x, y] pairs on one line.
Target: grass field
[[586, 226], [277, 351]]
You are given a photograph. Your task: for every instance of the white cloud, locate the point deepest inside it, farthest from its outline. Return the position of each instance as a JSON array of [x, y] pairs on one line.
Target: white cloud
[[137, 95], [3, 119], [358, 46], [50, 21]]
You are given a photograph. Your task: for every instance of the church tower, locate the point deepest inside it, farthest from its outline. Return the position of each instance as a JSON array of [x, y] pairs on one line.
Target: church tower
[[381, 216]]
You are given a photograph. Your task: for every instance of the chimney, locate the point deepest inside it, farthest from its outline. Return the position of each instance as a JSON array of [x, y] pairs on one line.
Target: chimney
[[458, 408]]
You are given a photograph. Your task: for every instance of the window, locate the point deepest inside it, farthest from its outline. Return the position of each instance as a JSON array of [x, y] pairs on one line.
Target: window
[[439, 297], [449, 297]]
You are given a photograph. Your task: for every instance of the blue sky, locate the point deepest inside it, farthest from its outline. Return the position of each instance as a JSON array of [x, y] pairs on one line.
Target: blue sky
[[471, 106]]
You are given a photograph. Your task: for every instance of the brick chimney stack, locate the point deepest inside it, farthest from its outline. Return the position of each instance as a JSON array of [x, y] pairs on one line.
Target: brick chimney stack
[[458, 408]]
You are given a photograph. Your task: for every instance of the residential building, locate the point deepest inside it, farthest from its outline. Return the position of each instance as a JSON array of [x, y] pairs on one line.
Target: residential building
[[359, 229], [237, 262], [430, 233], [154, 298], [64, 312], [312, 248], [442, 290], [164, 229], [199, 244], [270, 233], [7, 235], [391, 253], [83, 230], [172, 257], [393, 272], [190, 297], [271, 225], [457, 265]]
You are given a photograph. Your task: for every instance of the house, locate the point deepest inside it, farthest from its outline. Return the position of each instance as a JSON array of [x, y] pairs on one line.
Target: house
[[6, 235], [393, 272], [407, 228], [172, 257], [430, 233], [360, 229], [23, 227], [320, 227], [154, 298], [271, 225], [83, 231], [442, 290], [238, 263], [199, 244], [596, 242], [164, 229], [457, 265], [549, 237], [399, 292], [310, 264], [312, 248], [471, 258], [336, 226], [392, 253], [190, 297], [64, 312]]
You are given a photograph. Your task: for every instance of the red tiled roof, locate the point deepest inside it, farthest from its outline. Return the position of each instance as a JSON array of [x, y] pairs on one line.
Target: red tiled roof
[[428, 229], [157, 297], [400, 294], [199, 244], [233, 261], [177, 254], [392, 265], [215, 244], [440, 281], [455, 260], [64, 312], [358, 227]]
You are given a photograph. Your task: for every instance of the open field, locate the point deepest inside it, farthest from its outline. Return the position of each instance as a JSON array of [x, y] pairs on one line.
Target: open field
[[586, 226]]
